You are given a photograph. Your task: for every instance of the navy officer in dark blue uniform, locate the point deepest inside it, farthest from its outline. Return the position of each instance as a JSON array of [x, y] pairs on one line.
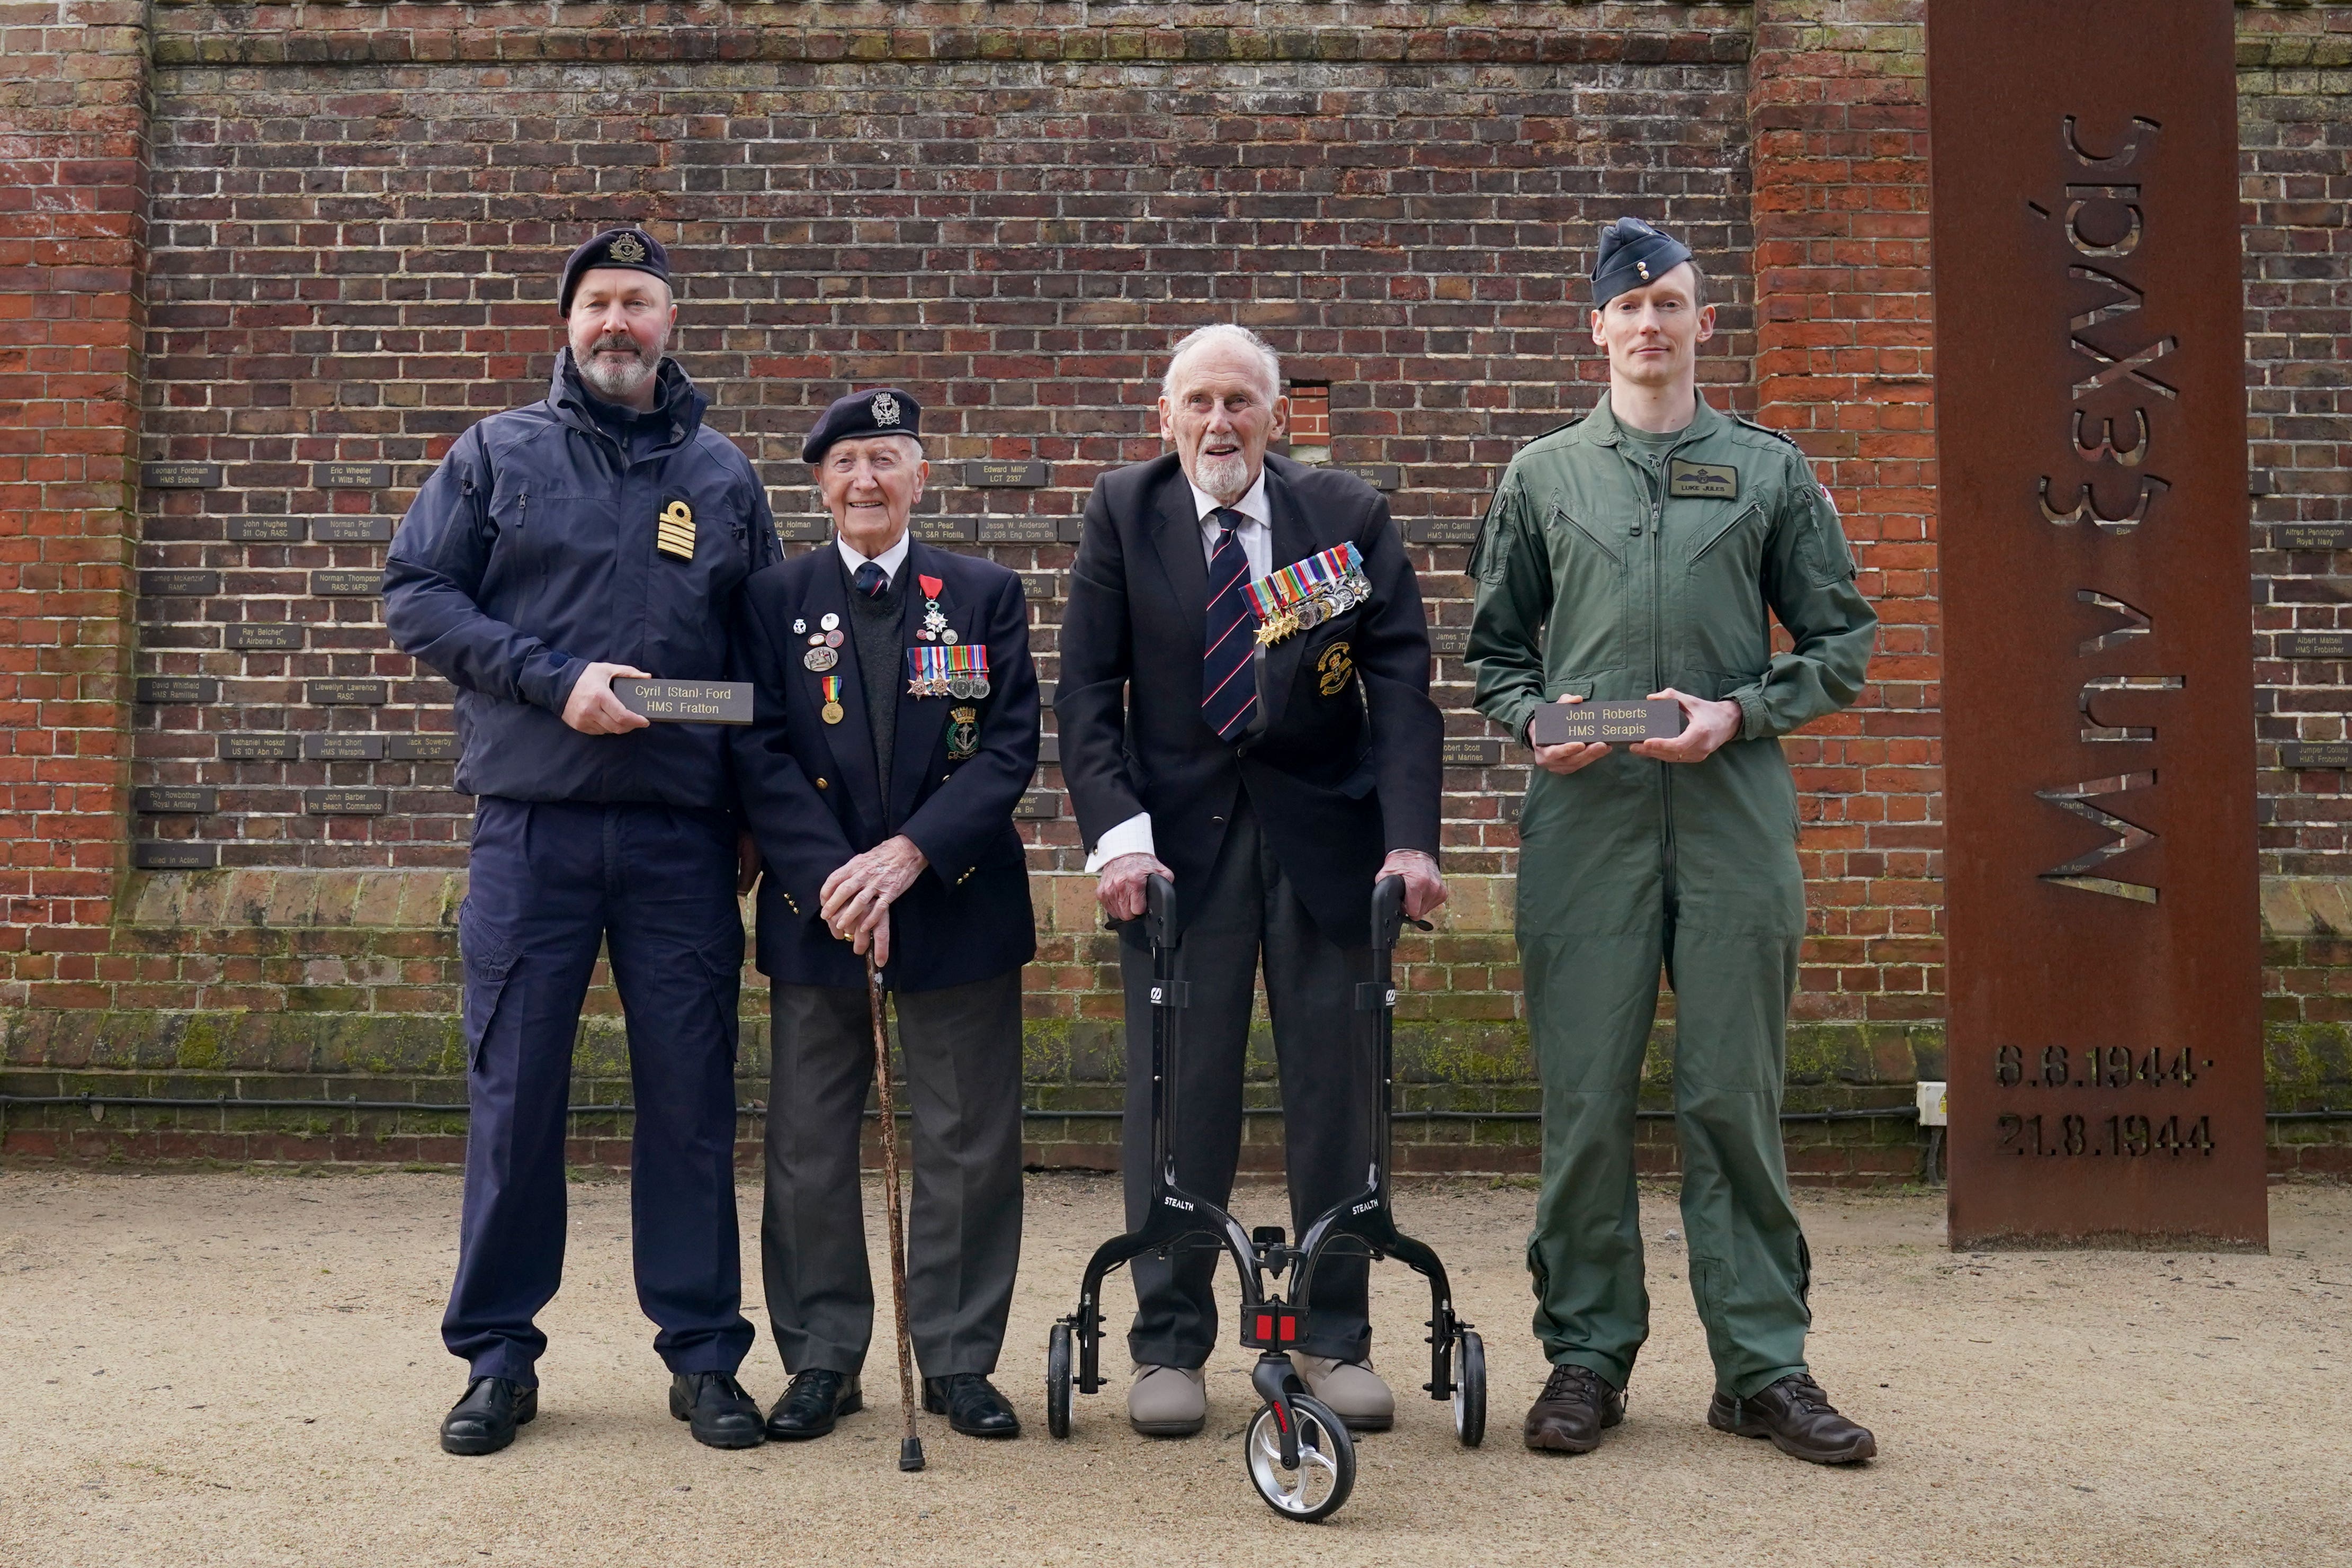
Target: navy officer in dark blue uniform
[[604, 531], [896, 728]]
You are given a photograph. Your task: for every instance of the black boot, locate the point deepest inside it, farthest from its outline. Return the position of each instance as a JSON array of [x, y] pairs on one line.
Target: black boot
[[485, 1420], [971, 1405], [814, 1401], [1799, 1419], [721, 1415]]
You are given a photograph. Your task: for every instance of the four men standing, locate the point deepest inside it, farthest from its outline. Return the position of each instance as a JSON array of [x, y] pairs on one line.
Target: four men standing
[[1244, 709]]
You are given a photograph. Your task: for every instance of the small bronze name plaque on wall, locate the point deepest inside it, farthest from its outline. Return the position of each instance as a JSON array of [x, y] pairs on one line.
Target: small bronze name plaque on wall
[[178, 689], [351, 530], [350, 475], [993, 472], [162, 800], [259, 748], [343, 802], [176, 475], [267, 635]]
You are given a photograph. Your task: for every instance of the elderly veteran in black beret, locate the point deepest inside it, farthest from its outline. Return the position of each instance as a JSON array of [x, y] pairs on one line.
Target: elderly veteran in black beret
[[602, 531], [895, 729]]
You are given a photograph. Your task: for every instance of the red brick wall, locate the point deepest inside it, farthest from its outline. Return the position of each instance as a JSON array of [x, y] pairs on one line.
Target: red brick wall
[[1837, 104], [72, 233]]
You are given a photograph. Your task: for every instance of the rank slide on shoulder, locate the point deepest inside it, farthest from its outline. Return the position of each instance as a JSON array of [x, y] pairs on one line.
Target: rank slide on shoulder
[[685, 702]]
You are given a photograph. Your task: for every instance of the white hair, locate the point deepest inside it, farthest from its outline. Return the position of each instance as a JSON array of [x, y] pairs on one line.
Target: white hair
[[1226, 332]]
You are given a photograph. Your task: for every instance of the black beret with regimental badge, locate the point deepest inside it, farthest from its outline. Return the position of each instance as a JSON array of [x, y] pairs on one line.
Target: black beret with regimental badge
[[633, 249], [884, 410], [1632, 256]]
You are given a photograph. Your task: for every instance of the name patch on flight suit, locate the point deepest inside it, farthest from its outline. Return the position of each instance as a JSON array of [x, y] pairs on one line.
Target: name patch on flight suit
[[673, 530], [1702, 481]]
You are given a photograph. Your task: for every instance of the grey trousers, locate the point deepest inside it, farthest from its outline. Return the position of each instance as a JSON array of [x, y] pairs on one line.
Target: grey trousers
[[961, 1047], [1251, 913]]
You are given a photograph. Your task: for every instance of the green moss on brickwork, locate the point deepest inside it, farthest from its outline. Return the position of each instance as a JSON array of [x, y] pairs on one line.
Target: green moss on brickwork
[[2307, 1066]]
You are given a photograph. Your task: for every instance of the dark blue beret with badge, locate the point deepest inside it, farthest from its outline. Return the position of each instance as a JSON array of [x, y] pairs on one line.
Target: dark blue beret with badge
[[884, 411], [631, 249], [1632, 256]]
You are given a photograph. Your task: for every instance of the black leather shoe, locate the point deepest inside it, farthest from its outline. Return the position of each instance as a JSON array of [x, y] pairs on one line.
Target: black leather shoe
[[485, 1420], [1799, 1419], [813, 1402], [720, 1414], [1570, 1415], [971, 1405]]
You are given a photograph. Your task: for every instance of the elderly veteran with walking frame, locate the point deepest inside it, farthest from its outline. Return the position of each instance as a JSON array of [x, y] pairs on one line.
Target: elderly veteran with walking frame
[[1637, 553], [1244, 708], [895, 729]]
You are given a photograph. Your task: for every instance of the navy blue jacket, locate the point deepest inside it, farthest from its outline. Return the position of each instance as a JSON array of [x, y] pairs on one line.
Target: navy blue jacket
[[811, 799], [530, 555], [1347, 765]]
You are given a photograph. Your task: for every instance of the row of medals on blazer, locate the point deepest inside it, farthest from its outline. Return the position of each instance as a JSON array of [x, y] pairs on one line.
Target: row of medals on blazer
[[825, 652]]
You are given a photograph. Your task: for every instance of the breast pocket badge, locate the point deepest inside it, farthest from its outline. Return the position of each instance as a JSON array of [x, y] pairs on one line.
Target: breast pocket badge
[[1332, 668], [963, 733], [673, 530]]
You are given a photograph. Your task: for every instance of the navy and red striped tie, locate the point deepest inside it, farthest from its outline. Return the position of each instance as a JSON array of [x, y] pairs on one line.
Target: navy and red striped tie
[[1228, 684]]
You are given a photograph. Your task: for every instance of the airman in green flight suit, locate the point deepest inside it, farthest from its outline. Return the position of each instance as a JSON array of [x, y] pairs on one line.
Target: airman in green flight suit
[[1637, 553]]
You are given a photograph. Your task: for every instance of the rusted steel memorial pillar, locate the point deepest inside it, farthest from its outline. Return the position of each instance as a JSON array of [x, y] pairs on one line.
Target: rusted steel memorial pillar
[[2106, 1047]]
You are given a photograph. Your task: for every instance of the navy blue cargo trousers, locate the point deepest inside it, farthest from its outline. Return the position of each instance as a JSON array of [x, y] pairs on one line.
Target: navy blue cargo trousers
[[548, 884]]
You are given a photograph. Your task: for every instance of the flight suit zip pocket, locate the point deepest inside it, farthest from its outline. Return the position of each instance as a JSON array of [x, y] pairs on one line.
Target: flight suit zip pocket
[[1565, 516], [1727, 531]]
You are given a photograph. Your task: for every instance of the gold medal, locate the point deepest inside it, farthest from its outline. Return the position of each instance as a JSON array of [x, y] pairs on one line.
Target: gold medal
[[831, 712]]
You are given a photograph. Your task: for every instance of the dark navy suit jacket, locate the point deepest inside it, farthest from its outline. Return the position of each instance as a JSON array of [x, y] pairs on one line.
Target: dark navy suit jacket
[[810, 795], [1346, 765]]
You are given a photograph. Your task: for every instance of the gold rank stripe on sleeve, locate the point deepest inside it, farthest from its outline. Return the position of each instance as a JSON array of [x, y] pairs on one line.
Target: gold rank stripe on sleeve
[[674, 532]]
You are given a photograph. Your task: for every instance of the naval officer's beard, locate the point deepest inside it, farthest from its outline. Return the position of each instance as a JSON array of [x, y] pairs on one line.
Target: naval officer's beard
[[618, 365]]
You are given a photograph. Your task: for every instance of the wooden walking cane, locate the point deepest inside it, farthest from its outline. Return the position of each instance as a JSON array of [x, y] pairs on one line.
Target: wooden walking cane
[[910, 1447]]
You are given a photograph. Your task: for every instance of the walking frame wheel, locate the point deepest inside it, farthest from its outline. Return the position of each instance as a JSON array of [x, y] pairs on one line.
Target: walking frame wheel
[[1469, 1387], [1320, 1481], [1059, 1379]]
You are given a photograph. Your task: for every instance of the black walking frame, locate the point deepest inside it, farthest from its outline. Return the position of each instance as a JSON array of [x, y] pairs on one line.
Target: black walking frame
[[1299, 1453]]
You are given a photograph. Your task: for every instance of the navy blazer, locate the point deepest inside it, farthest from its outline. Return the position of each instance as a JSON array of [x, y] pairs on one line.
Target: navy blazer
[[1347, 765], [810, 796]]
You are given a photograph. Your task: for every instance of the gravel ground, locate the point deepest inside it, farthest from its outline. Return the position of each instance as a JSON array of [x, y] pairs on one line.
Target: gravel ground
[[242, 1368]]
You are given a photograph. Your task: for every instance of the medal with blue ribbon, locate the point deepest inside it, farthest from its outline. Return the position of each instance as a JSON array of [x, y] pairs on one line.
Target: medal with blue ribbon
[[1306, 593], [941, 670]]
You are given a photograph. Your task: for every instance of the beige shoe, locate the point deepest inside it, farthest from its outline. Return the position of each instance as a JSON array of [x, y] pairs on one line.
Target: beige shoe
[[1167, 1401], [1352, 1389]]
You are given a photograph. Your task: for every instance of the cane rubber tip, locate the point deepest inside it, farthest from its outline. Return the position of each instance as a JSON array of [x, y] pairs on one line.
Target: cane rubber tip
[[910, 1454]]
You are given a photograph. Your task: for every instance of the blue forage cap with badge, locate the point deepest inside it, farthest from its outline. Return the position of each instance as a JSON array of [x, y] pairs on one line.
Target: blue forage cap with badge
[[880, 410], [1632, 256], [631, 249]]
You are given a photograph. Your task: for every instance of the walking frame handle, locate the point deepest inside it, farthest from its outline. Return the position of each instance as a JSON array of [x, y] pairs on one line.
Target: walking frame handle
[[1158, 908], [1388, 911]]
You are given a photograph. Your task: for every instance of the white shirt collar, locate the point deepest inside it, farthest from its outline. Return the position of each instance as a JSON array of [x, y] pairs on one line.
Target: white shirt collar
[[890, 560], [1252, 506]]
